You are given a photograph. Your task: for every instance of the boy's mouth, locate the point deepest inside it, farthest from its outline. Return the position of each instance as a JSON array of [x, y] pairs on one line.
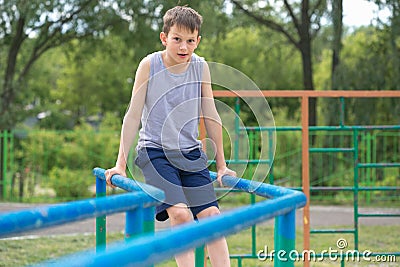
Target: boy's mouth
[[182, 55]]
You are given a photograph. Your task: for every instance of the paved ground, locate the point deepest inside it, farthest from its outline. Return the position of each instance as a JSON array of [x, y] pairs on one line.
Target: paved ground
[[321, 217]]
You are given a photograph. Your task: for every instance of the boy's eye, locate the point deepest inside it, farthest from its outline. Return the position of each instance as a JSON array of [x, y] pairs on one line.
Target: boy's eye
[[176, 39], [192, 41]]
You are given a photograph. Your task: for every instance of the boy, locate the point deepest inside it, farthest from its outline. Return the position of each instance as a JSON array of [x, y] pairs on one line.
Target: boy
[[171, 88]]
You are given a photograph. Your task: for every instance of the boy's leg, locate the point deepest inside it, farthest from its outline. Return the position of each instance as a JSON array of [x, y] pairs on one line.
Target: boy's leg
[[218, 249], [180, 214]]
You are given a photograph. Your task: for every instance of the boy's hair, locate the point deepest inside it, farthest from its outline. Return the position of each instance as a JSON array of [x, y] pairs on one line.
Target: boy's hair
[[183, 17]]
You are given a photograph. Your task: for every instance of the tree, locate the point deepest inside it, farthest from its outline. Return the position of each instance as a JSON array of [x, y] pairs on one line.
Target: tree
[[336, 15], [33, 27], [299, 26], [28, 29]]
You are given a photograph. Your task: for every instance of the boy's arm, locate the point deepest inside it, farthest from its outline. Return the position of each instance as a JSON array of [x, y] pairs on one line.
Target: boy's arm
[[131, 120], [213, 124]]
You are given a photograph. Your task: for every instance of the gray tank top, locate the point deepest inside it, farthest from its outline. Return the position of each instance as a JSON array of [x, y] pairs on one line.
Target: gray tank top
[[172, 107]]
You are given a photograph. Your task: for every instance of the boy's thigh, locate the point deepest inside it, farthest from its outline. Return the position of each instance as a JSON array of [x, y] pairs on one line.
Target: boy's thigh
[[163, 175], [198, 189]]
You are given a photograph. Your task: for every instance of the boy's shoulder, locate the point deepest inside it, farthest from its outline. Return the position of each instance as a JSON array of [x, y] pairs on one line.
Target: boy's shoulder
[[197, 58]]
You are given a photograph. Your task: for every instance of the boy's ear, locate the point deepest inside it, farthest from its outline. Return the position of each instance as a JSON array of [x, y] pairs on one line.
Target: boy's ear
[[198, 39], [163, 38]]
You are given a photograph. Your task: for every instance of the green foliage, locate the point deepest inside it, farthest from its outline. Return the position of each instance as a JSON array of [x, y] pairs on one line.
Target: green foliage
[[368, 62], [67, 157], [71, 183], [29, 29]]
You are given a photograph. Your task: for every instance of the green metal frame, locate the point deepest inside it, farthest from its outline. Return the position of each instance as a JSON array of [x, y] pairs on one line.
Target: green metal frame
[[7, 158], [365, 164]]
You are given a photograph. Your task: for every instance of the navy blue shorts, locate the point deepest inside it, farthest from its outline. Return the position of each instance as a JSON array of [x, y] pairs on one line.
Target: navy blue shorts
[[183, 177]]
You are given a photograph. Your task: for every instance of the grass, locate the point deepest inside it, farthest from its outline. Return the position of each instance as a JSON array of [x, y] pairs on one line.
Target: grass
[[25, 252]]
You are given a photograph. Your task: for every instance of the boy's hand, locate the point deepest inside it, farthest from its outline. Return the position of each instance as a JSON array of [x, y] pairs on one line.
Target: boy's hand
[[224, 171], [110, 172]]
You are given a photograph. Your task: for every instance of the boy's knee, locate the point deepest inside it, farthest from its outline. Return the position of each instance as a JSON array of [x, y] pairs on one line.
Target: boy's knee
[[210, 211], [179, 215]]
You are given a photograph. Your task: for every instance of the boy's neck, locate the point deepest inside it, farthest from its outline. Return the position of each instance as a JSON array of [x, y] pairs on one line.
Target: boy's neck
[[173, 67]]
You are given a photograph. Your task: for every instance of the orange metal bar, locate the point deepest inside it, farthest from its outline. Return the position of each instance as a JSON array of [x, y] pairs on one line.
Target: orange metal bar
[[305, 175], [202, 133], [301, 93]]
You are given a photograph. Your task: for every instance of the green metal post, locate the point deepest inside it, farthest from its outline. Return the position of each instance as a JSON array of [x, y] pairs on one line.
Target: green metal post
[[252, 196], [148, 221], [355, 193], [200, 257], [5, 150], [342, 264], [239, 262], [100, 221], [374, 156], [11, 161], [342, 109], [253, 230], [271, 155], [368, 170]]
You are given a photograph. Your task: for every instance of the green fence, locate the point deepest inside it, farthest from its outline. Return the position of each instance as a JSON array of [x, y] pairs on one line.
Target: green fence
[[31, 160]]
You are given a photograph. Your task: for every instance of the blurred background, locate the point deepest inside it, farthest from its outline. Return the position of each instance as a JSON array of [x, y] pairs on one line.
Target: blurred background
[[67, 68]]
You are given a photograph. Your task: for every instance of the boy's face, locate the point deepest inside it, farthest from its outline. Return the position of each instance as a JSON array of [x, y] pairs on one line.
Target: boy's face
[[180, 43]]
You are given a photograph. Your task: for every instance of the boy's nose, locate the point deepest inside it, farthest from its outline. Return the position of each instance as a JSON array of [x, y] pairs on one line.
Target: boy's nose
[[182, 46]]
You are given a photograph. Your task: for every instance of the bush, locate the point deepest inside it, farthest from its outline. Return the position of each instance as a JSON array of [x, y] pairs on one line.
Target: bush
[[71, 183]]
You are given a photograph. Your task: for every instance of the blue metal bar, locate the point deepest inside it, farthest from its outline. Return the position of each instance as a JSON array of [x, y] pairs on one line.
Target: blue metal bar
[[47, 216], [131, 185], [245, 161], [258, 188], [148, 250]]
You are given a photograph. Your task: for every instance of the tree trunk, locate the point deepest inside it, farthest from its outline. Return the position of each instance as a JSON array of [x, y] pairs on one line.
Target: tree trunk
[[305, 49], [337, 19], [332, 105], [8, 94]]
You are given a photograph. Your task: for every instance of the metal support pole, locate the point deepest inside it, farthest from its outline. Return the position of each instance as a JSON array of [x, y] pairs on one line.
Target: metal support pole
[[342, 112], [271, 138], [148, 220], [355, 193], [285, 236], [5, 150], [200, 257], [237, 130], [133, 223], [305, 175], [100, 221]]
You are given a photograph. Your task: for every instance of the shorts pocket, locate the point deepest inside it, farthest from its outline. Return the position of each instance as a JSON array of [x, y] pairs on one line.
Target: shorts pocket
[[142, 158]]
